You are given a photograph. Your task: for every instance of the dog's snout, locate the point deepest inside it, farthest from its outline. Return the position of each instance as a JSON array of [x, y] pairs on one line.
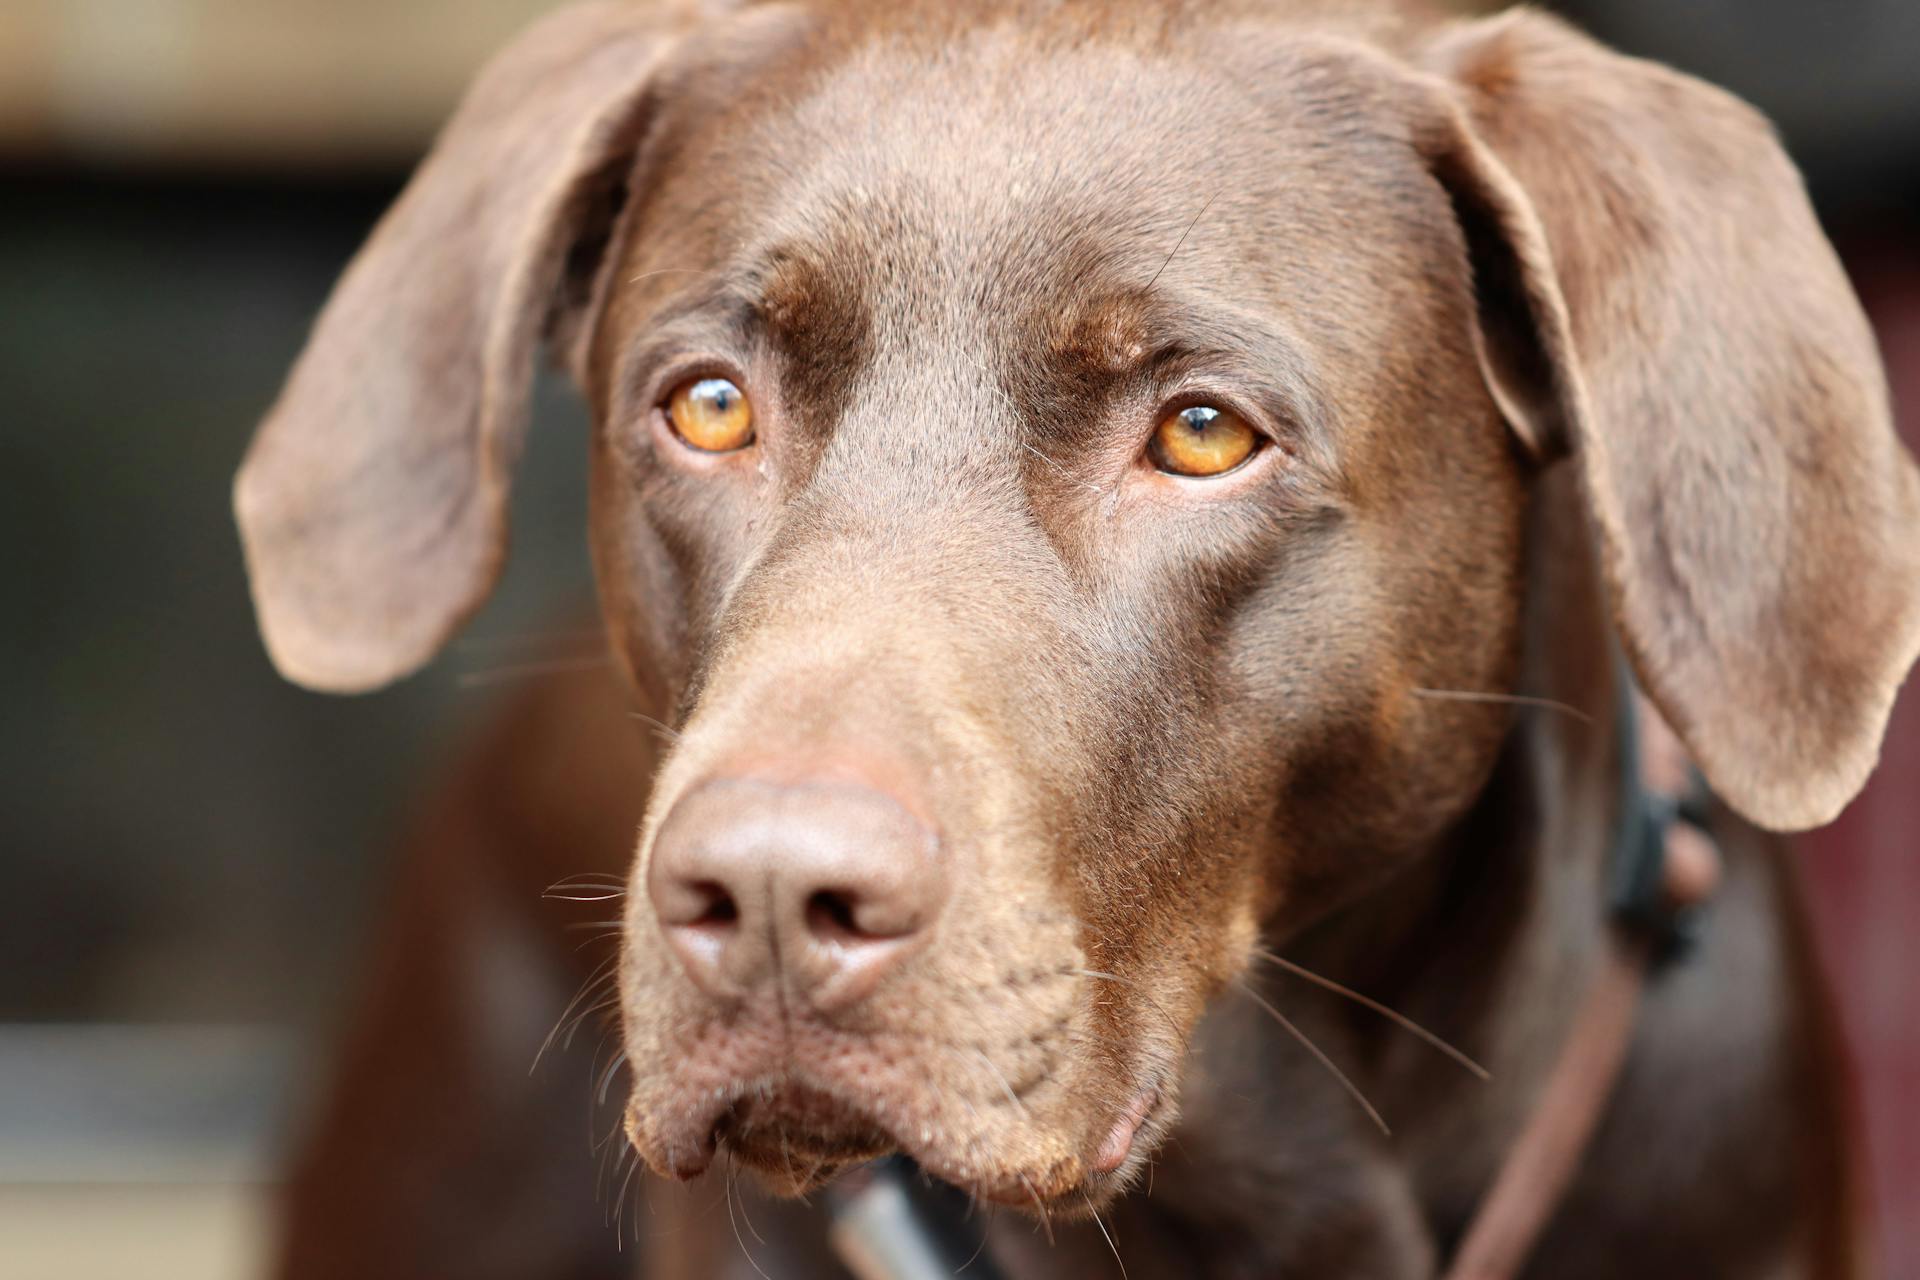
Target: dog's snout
[[821, 886]]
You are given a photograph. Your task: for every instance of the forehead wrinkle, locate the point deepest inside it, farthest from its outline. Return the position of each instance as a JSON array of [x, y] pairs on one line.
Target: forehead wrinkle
[[977, 195], [1139, 343], [1106, 335], [812, 306], [987, 130]]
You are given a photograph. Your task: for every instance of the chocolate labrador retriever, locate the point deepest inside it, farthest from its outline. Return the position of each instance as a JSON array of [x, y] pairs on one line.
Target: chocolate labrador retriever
[[1106, 494]]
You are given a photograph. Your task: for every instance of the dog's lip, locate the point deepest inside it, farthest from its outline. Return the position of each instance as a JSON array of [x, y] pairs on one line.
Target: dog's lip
[[817, 1124], [798, 1121], [685, 1154], [1118, 1143], [741, 1119]]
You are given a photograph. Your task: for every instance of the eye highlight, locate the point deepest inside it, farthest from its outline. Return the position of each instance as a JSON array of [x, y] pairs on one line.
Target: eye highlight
[[1202, 441], [711, 414]]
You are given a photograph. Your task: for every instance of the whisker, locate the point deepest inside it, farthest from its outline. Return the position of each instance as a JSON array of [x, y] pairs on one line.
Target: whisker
[[672, 271], [660, 727], [614, 1135], [620, 1200], [601, 973], [606, 1077], [1108, 1234], [975, 1144], [1314, 1049], [1511, 699], [1062, 471], [733, 1172], [1183, 236], [580, 1019], [593, 1075], [786, 1158], [738, 1238], [590, 880], [527, 670], [1144, 993], [1005, 1086], [607, 1168], [1399, 1019], [599, 1169], [973, 1203], [993, 384], [1046, 1219], [586, 887], [587, 635]]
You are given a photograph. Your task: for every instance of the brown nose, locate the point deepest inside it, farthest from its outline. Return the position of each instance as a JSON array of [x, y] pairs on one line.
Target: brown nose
[[822, 886]]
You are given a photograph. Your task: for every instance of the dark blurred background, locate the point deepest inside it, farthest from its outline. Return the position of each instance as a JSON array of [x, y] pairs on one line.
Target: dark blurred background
[[191, 852]]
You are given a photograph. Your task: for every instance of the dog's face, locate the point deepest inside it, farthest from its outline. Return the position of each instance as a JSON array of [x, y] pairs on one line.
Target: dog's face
[[1140, 712], [1045, 464]]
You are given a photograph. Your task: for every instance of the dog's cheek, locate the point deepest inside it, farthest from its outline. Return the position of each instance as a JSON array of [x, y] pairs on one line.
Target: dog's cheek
[[641, 602], [1347, 773], [664, 548]]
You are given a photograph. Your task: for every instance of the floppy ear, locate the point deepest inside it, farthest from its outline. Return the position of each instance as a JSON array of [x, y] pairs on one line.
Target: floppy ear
[[1656, 297], [373, 501]]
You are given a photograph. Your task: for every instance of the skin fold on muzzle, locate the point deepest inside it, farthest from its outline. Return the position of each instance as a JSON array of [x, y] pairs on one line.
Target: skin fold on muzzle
[[1083, 487]]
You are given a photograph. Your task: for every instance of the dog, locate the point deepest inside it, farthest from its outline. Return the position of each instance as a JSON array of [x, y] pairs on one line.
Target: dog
[[1114, 504]]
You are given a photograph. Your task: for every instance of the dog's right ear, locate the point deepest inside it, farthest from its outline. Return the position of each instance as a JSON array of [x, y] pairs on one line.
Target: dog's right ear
[[1658, 300], [373, 501]]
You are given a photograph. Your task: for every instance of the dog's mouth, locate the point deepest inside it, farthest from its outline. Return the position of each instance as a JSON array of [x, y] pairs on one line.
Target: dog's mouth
[[1008, 1076], [797, 1135]]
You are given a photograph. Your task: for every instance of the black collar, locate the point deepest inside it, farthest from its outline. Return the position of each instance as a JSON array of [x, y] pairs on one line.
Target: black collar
[[1637, 859]]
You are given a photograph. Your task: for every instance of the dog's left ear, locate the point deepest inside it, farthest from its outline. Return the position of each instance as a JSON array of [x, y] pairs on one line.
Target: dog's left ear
[[1657, 299], [373, 501]]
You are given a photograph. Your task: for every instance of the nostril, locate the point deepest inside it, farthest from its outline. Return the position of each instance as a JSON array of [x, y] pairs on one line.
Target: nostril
[[706, 924], [848, 917], [830, 917], [703, 905], [711, 906]]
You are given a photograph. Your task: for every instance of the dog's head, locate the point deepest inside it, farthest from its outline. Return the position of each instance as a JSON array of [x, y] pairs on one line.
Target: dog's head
[[1043, 461]]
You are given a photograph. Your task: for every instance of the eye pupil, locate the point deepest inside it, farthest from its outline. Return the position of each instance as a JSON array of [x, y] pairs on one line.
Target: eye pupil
[[1198, 418], [1202, 440], [711, 414]]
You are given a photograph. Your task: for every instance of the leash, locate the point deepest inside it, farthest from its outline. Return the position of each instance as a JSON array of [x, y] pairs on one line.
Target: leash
[[1662, 868], [889, 1224]]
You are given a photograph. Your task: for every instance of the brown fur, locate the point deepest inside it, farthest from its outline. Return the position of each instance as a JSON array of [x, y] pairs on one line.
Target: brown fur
[[1547, 346]]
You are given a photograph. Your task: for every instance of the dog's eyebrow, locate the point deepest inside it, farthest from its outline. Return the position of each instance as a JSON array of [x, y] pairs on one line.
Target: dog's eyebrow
[[811, 310], [1251, 346], [713, 318], [786, 299], [1149, 341]]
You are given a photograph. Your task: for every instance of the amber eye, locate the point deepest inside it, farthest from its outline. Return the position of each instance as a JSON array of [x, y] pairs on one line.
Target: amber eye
[[1202, 441], [711, 414]]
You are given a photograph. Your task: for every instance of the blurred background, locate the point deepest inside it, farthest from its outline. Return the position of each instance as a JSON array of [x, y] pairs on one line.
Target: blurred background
[[192, 854]]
